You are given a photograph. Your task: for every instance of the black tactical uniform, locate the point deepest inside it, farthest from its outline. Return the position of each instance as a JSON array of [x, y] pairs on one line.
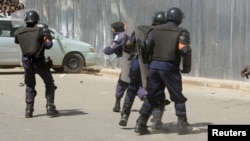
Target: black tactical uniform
[[33, 40], [135, 86], [170, 45], [117, 47]]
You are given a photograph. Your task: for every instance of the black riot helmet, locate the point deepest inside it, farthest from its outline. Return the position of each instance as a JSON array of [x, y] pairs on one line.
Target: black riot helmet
[[175, 14], [118, 26], [159, 18], [31, 17]]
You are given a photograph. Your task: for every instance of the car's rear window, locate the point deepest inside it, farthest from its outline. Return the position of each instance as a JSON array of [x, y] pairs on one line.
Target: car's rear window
[[6, 29]]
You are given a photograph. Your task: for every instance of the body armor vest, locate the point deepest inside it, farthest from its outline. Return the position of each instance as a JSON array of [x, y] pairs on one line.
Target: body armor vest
[[166, 43], [30, 40]]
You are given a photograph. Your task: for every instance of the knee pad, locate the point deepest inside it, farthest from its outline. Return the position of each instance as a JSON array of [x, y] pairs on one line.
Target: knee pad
[[30, 94], [120, 88], [31, 91]]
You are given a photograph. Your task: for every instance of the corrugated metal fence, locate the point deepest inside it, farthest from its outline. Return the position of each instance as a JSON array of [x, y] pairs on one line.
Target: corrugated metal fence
[[219, 28]]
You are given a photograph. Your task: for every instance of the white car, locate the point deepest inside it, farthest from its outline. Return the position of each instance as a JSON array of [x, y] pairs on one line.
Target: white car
[[68, 55]]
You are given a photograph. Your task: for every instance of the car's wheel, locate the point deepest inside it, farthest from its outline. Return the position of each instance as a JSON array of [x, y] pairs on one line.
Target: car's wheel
[[73, 63]]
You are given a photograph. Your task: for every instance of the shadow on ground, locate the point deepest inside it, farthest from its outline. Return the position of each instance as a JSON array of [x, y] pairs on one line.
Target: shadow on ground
[[68, 112]]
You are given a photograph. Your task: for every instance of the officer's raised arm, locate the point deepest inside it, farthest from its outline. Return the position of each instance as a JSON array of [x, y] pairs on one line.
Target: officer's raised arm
[[118, 40]]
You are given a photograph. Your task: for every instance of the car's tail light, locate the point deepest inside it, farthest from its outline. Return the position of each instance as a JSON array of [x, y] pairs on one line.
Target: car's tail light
[[92, 49]]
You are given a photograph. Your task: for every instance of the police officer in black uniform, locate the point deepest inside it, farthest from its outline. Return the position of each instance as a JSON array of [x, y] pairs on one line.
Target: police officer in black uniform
[[117, 47], [135, 85], [33, 40], [170, 45]]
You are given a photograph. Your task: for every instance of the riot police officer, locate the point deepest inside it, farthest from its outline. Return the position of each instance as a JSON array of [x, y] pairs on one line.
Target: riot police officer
[[117, 47], [170, 45], [33, 40], [135, 85]]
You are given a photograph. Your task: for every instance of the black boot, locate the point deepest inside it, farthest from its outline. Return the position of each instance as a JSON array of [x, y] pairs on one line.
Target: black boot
[[125, 115], [51, 108], [157, 125], [117, 105], [29, 110], [141, 125], [182, 125]]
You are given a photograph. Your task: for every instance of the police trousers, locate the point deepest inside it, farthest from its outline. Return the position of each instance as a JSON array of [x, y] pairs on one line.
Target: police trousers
[[31, 67], [156, 82], [121, 87], [135, 82]]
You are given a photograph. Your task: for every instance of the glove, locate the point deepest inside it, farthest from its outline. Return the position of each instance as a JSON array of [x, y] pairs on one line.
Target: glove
[[142, 93], [245, 71]]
